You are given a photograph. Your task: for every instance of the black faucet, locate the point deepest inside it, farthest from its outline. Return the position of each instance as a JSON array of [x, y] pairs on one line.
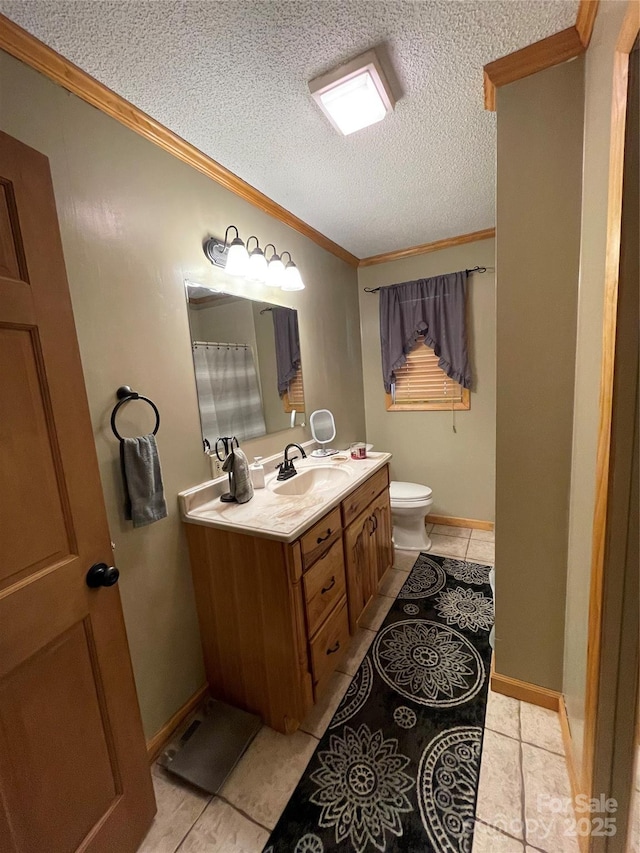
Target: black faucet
[[287, 469]]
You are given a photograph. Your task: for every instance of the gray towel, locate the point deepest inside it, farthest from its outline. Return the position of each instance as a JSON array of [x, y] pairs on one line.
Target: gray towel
[[240, 483], [142, 477]]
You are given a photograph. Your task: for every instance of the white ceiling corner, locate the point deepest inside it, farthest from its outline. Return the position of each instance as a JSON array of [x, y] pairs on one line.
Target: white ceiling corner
[[232, 79]]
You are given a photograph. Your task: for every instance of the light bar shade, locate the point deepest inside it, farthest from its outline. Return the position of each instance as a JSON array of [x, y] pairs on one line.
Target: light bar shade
[[257, 266], [292, 279], [237, 258], [355, 95], [275, 272]]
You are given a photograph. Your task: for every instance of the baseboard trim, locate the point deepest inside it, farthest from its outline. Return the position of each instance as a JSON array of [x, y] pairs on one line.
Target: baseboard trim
[[525, 691], [460, 522], [156, 744], [572, 770], [574, 775]]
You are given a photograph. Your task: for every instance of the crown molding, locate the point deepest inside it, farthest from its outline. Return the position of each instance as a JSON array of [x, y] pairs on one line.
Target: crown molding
[[543, 54], [425, 248], [30, 50], [529, 60], [585, 20]]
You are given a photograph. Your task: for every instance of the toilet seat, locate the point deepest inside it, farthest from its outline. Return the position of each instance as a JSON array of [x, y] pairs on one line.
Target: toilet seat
[[403, 493]]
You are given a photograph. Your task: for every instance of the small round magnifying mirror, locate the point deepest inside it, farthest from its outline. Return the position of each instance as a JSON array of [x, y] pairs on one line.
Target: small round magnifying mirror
[[323, 430]]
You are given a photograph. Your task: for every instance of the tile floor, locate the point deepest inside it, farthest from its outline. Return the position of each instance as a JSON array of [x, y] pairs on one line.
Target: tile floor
[[523, 778], [462, 542]]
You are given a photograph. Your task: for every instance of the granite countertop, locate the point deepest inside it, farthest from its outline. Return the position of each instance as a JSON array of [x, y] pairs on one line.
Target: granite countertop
[[277, 516]]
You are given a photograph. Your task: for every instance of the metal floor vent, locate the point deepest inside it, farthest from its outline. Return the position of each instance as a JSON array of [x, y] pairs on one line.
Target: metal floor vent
[[211, 746]]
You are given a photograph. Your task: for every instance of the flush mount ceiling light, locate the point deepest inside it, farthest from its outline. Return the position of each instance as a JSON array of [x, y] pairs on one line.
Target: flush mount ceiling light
[[354, 95], [234, 259]]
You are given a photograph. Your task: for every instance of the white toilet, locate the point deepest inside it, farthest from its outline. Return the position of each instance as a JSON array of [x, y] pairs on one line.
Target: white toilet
[[410, 502]]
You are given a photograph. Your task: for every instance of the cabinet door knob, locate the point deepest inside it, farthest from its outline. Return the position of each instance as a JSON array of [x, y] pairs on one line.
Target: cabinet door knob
[[324, 538], [334, 649], [327, 588]]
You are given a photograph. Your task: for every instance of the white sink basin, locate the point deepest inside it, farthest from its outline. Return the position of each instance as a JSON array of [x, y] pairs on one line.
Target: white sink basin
[[316, 479]]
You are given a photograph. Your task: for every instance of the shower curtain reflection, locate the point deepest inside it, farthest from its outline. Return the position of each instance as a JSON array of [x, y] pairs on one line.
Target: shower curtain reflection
[[228, 392]]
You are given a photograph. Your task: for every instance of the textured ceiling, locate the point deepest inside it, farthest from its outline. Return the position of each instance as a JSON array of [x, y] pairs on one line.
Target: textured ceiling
[[231, 78]]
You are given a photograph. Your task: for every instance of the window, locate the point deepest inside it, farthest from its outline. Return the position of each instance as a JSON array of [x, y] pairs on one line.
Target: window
[[293, 397], [423, 386]]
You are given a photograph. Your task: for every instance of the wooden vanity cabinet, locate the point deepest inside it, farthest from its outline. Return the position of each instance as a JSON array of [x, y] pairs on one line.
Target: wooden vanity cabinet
[[360, 565], [368, 554], [383, 546], [251, 609], [324, 586], [275, 617]]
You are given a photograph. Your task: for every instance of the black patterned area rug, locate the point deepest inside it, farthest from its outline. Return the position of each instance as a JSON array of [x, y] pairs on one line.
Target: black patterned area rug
[[398, 766]]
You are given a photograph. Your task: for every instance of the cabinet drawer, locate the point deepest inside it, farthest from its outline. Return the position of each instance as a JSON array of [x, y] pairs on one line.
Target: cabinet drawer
[[324, 585], [362, 497], [330, 643], [321, 537]]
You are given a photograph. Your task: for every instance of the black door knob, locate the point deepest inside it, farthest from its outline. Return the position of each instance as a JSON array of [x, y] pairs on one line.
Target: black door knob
[[101, 574]]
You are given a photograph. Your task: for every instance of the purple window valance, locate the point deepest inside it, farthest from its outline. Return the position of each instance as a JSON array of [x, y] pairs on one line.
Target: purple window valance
[[287, 337], [433, 307]]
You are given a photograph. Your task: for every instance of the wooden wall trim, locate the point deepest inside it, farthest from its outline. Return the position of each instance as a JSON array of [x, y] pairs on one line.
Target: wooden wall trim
[[626, 40], [542, 54], [525, 691], [489, 92], [585, 19], [425, 248], [161, 738], [630, 27], [529, 60], [567, 740], [453, 521], [572, 769], [30, 50]]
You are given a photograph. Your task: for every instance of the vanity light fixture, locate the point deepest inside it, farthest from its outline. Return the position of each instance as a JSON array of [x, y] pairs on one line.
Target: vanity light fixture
[[235, 259], [292, 280], [354, 95], [275, 268], [257, 266]]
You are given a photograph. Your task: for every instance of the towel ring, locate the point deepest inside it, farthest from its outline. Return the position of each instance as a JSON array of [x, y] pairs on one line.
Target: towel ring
[[124, 394]]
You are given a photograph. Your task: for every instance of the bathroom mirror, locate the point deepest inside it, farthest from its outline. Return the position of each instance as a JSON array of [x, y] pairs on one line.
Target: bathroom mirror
[[246, 357]]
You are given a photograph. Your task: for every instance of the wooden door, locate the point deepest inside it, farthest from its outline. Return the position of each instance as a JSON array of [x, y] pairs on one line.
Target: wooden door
[[73, 766], [381, 514], [359, 557]]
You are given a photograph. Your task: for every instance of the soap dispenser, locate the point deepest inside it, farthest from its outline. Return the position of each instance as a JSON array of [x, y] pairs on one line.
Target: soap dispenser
[[257, 473]]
